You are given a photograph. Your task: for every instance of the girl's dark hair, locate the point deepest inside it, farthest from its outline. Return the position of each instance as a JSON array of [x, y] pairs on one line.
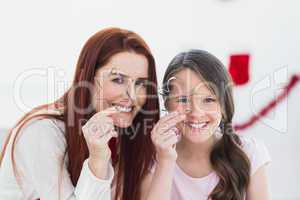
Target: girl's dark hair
[[135, 155], [228, 159]]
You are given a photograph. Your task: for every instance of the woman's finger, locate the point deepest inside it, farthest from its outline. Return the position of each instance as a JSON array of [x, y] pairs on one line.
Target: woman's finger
[[107, 113], [105, 138]]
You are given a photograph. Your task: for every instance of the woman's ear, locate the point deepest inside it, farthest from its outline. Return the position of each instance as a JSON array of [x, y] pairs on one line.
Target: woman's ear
[[165, 103]]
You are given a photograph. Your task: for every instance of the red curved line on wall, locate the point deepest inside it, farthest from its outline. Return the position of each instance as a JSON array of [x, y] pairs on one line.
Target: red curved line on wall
[[292, 83]]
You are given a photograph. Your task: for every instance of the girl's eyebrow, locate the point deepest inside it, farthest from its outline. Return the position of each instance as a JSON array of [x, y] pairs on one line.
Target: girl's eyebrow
[[204, 94]]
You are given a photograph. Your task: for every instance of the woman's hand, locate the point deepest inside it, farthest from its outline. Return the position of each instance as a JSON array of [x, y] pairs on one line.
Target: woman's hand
[[165, 136], [97, 132]]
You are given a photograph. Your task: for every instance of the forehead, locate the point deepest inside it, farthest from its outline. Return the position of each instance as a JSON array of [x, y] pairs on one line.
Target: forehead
[[129, 63], [188, 81]]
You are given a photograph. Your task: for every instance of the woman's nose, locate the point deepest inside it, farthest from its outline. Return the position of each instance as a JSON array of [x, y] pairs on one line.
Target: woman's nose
[[130, 91]]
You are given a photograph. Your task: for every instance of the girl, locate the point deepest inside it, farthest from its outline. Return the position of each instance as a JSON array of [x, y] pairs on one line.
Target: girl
[[61, 151], [198, 154]]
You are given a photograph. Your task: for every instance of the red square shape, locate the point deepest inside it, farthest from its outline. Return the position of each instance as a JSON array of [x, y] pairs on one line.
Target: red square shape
[[239, 68]]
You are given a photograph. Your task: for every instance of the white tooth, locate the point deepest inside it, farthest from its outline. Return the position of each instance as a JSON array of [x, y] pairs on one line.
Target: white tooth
[[124, 109], [197, 125]]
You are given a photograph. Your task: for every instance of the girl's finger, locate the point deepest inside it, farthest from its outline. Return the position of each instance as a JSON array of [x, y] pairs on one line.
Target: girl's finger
[[170, 124], [161, 138], [176, 119], [168, 117], [169, 142]]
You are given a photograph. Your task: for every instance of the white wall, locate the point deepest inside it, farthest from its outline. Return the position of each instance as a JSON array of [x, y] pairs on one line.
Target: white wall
[[36, 35]]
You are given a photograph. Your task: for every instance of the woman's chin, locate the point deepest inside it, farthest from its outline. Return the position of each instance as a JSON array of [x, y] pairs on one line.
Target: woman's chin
[[122, 125], [122, 122]]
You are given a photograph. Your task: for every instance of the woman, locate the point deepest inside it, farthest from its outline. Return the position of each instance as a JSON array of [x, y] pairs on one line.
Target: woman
[[198, 154], [61, 151]]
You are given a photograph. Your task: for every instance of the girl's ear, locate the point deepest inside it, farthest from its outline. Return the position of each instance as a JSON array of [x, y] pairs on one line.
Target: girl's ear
[[221, 125], [223, 113], [222, 122]]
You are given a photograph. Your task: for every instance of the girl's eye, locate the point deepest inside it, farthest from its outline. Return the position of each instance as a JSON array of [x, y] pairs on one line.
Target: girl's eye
[[209, 100], [141, 83], [182, 99]]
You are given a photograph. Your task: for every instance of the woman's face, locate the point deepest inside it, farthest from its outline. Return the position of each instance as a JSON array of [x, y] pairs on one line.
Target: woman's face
[[122, 83], [189, 94]]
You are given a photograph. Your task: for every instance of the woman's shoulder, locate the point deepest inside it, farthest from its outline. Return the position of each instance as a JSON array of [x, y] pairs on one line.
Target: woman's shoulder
[[256, 151], [42, 122], [43, 126], [36, 142], [45, 133]]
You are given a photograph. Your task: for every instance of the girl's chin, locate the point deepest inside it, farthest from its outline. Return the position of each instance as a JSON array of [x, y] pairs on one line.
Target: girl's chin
[[188, 130], [195, 134]]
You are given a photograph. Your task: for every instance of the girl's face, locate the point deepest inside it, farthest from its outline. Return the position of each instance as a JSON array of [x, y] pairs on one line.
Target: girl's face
[[189, 94], [122, 83]]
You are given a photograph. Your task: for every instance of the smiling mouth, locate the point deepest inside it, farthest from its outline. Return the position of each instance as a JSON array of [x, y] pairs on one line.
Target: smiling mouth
[[125, 109], [200, 125]]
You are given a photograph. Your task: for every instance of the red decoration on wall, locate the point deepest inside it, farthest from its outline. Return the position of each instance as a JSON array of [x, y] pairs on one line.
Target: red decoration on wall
[[239, 68], [292, 83]]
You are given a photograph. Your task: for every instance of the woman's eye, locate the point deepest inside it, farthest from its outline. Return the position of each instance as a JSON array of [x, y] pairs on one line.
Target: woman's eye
[[119, 80]]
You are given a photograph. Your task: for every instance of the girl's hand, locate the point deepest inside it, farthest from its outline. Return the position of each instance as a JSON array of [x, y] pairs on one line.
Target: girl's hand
[[97, 132], [164, 136]]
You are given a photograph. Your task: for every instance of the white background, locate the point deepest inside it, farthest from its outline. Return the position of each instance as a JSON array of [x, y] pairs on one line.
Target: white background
[[46, 38]]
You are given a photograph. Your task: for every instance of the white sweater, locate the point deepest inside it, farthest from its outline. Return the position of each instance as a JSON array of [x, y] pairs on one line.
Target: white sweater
[[38, 154]]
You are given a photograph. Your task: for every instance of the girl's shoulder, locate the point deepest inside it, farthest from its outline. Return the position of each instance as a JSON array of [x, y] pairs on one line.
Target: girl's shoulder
[[256, 151]]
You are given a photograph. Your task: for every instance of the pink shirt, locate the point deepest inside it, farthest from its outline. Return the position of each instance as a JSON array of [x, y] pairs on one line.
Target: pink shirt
[[185, 187]]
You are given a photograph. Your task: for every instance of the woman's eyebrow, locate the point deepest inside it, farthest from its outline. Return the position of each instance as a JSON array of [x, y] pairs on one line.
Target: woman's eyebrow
[[118, 72]]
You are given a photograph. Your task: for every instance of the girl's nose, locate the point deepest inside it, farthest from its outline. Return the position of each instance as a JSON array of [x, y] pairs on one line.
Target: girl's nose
[[196, 110]]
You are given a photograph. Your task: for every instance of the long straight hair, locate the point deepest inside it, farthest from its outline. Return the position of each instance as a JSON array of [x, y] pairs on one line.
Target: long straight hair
[[227, 158], [133, 157]]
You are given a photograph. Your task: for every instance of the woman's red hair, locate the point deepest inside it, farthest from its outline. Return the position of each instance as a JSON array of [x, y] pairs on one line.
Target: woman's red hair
[[136, 155]]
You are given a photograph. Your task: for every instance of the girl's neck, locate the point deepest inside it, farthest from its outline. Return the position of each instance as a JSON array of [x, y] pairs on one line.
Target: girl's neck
[[195, 151]]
